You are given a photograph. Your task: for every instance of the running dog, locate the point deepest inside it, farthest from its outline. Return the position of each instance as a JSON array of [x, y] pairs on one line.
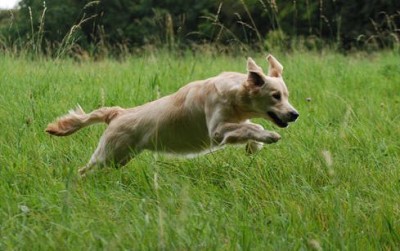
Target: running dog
[[201, 116]]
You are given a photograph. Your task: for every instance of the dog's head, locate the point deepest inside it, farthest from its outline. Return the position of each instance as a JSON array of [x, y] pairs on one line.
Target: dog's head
[[267, 95]]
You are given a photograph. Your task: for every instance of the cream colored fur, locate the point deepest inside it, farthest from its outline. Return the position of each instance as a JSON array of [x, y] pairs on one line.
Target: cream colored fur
[[199, 117]]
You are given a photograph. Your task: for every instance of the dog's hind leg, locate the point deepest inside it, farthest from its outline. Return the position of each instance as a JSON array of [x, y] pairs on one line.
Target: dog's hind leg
[[111, 151], [98, 159]]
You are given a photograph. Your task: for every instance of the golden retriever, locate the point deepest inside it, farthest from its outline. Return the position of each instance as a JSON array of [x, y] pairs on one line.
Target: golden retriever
[[201, 116]]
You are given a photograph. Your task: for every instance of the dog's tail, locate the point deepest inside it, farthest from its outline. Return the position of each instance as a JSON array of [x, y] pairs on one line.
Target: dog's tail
[[77, 119]]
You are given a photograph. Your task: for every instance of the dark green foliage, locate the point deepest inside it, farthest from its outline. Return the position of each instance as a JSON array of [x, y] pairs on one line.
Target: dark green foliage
[[252, 23]]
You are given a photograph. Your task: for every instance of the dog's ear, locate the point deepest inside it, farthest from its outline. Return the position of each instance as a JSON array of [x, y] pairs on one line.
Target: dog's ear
[[275, 68], [255, 73], [252, 66]]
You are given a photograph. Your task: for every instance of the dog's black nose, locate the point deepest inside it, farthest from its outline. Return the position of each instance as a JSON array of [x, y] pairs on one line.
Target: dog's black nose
[[293, 115]]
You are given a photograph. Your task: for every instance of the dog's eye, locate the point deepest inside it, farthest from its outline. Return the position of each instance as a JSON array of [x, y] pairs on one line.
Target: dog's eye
[[276, 96]]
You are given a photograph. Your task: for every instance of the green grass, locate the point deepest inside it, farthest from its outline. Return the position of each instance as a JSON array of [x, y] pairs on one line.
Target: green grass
[[332, 182]]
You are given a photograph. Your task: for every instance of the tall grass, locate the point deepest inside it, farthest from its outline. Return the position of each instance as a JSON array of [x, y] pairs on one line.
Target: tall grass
[[332, 182]]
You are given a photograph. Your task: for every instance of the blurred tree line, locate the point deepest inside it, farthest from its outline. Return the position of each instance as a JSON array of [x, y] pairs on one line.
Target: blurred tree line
[[179, 23]]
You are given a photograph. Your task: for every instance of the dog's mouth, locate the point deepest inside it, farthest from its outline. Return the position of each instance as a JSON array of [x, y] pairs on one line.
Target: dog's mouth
[[277, 120]]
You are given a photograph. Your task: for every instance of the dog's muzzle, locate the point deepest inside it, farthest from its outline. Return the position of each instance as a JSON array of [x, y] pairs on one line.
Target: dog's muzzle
[[293, 115], [290, 117], [277, 120]]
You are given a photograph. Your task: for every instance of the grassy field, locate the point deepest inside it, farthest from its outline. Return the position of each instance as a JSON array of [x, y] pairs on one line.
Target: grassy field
[[332, 182]]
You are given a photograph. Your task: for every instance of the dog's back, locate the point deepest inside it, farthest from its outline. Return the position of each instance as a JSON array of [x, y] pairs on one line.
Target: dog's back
[[175, 123]]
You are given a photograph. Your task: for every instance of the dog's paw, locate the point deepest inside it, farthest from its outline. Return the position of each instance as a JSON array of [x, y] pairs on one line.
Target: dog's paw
[[253, 147], [273, 137], [82, 172]]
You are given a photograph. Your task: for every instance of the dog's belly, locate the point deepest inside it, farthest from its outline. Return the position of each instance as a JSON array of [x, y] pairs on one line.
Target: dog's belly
[[180, 138]]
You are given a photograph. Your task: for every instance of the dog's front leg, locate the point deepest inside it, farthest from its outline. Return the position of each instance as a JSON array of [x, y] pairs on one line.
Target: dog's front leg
[[253, 146], [232, 133]]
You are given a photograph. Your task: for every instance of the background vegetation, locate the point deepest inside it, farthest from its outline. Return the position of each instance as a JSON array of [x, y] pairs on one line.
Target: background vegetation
[[101, 27]]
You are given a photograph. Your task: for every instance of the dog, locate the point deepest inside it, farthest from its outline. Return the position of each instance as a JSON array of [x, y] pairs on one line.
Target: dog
[[201, 116]]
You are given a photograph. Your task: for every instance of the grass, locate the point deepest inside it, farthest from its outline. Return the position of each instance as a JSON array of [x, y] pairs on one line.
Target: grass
[[332, 182]]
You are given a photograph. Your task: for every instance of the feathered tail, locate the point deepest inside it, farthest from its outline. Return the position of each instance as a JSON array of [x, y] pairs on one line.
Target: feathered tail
[[77, 119]]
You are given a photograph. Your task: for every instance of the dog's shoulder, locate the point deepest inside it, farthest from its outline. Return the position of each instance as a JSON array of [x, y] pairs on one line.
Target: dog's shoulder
[[228, 82]]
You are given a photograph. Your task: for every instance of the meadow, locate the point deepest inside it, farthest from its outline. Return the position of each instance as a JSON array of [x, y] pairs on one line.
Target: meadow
[[332, 182]]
